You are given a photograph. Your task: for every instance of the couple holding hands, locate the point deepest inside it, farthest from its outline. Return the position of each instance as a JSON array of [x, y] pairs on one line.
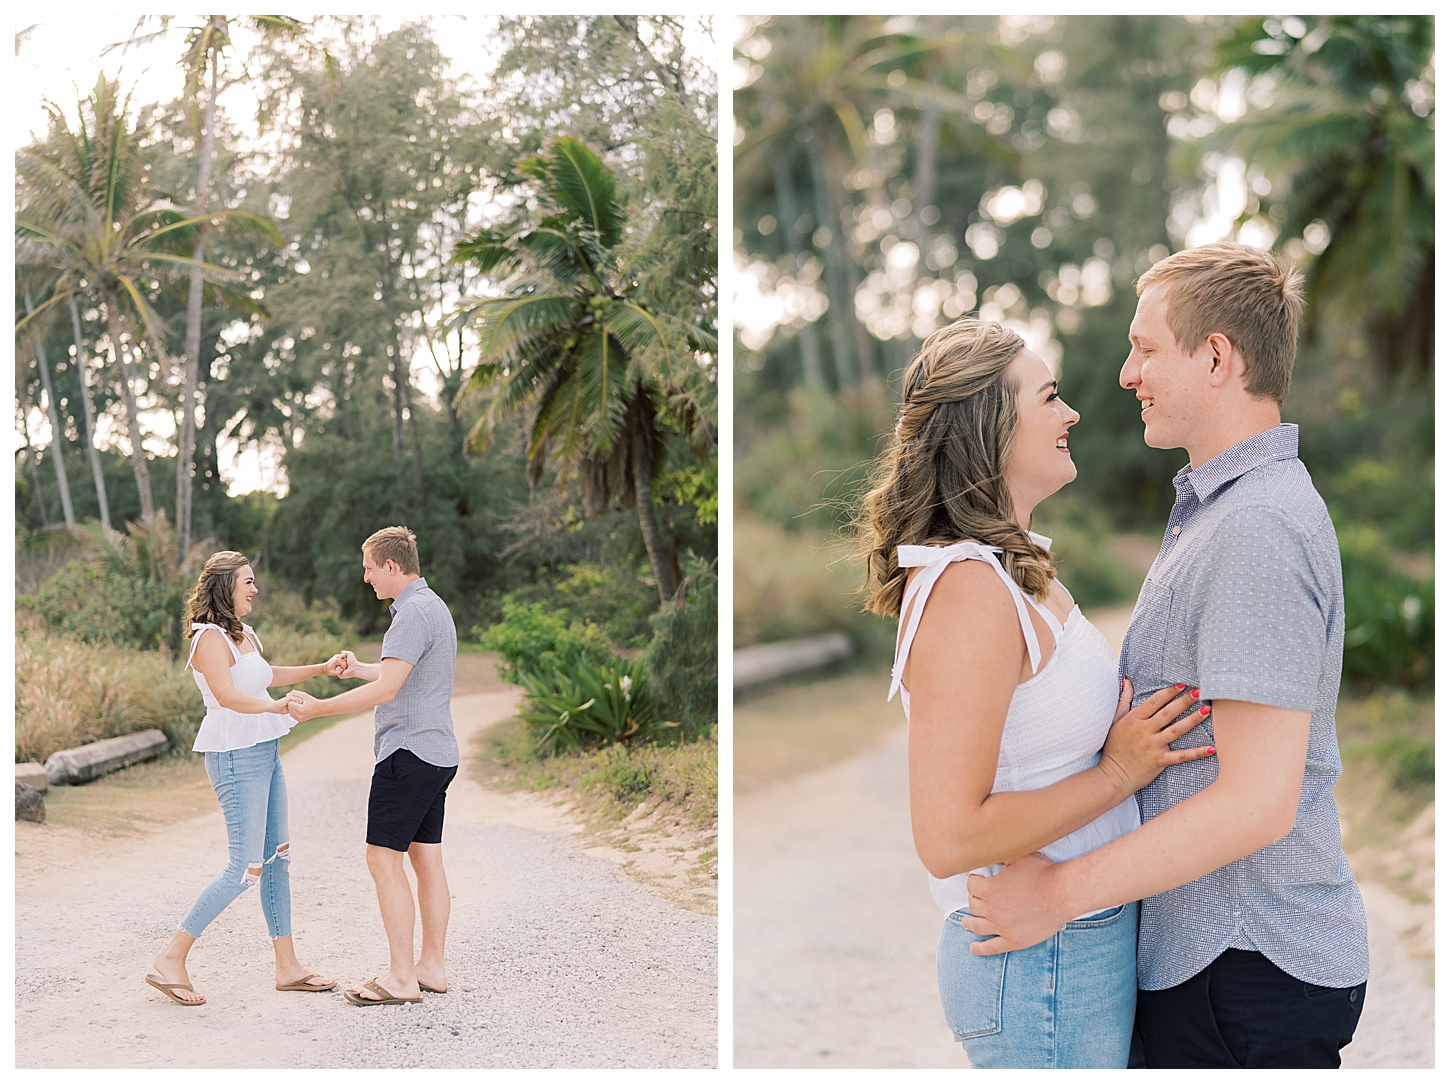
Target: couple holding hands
[[414, 748]]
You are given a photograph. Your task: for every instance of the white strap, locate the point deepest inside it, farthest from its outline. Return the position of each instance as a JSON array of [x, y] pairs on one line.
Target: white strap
[[933, 561], [197, 626], [253, 634]]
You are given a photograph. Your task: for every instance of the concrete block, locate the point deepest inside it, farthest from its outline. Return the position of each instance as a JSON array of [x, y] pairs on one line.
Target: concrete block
[[100, 757], [29, 804], [32, 775]]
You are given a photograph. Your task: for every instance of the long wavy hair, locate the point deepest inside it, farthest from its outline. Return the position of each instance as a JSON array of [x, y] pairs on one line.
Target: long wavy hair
[[943, 479], [212, 600]]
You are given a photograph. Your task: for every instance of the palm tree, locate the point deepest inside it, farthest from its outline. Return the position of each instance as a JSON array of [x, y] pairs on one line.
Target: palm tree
[[202, 61], [89, 212], [806, 116], [57, 437], [566, 341], [1348, 141]]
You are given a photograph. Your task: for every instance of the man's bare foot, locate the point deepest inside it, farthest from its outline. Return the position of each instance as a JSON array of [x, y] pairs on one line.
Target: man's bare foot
[[432, 977], [393, 984], [173, 970]]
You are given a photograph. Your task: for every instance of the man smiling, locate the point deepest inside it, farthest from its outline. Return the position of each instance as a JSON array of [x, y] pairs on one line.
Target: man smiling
[[1253, 948], [416, 757]]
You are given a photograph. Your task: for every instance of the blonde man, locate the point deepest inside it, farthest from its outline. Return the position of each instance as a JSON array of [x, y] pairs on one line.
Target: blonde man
[[1253, 948], [416, 757]]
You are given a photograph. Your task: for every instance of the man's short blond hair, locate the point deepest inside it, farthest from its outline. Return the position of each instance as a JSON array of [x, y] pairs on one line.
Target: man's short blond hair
[[1251, 296], [397, 544]]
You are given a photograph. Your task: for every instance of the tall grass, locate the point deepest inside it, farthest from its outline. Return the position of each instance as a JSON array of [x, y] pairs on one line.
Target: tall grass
[[69, 692]]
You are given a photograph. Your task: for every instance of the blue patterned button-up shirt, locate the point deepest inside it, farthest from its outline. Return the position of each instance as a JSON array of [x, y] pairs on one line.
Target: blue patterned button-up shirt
[[419, 718], [1246, 602]]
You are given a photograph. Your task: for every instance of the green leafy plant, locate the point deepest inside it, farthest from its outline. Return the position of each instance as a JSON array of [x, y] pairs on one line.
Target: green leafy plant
[[584, 705], [128, 590], [681, 662], [534, 641], [1389, 626]]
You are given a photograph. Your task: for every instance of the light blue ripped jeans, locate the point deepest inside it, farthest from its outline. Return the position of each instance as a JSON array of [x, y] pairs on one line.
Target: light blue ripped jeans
[[253, 795]]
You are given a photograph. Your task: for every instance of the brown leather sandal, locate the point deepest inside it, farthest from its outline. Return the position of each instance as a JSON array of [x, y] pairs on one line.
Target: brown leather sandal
[[166, 988], [307, 987], [431, 989], [383, 998]]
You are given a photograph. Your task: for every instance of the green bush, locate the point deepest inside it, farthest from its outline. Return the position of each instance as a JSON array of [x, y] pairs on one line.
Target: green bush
[[682, 663], [128, 589], [583, 705], [1389, 617], [533, 640]]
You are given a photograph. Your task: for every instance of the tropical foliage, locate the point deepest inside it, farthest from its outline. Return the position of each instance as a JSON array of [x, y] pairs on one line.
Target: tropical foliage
[[334, 332], [895, 173], [566, 339]]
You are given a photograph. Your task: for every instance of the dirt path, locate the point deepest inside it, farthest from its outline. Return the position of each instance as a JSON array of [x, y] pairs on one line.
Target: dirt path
[[835, 933], [556, 957]]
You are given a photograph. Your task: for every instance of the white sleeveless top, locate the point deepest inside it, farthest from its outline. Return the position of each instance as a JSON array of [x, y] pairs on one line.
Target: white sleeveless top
[[1058, 718], [223, 729]]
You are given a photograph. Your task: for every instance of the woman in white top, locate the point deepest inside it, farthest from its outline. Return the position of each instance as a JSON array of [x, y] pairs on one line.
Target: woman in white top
[[239, 739], [1020, 735]]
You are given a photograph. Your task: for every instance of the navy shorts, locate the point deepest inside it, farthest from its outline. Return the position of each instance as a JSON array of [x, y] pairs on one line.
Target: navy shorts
[[405, 805], [1243, 1012]]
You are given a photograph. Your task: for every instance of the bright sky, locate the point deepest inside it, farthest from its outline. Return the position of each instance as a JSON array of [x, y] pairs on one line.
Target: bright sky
[[59, 61]]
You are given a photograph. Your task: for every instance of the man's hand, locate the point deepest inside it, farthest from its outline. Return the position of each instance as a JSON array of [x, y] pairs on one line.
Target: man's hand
[[1017, 908], [302, 706]]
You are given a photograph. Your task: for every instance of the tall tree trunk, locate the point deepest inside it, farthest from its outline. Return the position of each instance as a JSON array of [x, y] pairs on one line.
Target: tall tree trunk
[[82, 367], [641, 464], [57, 434], [840, 313], [34, 467], [133, 421], [186, 430], [400, 380], [789, 209]]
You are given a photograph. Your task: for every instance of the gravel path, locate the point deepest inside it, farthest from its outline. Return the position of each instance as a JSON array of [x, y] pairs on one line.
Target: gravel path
[[556, 958], [835, 935]]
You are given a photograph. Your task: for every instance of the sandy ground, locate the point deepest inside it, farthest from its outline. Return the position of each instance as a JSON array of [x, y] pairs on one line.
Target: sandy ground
[[556, 957], [835, 933]]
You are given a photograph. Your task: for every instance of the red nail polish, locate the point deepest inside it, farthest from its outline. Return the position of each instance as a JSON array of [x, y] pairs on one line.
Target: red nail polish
[[1194, 693], [1179, 686], [1203, 710], [1211, 750]]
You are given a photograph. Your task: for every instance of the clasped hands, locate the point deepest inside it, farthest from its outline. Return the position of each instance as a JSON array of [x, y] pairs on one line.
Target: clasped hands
[[303, 706]]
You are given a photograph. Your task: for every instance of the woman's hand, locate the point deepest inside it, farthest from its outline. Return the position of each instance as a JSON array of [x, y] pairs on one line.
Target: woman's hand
[[1137, 746], [284, 706]]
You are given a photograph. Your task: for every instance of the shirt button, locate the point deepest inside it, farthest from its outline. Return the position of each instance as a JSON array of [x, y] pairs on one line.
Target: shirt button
[[1177, 529]]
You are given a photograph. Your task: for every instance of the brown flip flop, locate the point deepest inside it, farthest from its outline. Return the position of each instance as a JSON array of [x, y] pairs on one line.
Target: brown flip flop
[[385, 998], [307, 987], [166, 988], [431, 989]]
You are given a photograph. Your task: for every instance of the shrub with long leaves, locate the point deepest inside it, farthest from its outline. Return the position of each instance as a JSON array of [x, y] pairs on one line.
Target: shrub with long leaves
[[584, 706]]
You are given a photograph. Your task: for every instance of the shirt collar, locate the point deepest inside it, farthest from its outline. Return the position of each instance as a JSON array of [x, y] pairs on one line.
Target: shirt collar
[[1281, 442], [412, 588]]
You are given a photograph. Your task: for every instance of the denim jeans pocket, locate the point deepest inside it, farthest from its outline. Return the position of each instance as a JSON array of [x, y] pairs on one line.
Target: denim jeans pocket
[[1096, 921], [970, 986]]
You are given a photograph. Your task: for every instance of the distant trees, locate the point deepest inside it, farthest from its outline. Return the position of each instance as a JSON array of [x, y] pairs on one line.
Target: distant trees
[[90, 213], [1345, 137]]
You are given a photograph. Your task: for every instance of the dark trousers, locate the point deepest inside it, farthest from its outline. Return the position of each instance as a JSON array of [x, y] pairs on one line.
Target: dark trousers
[[1242, 1012]]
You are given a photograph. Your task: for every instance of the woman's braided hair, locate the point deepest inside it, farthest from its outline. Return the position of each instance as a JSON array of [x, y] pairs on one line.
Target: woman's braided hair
[[212, 600], [943, 479]]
